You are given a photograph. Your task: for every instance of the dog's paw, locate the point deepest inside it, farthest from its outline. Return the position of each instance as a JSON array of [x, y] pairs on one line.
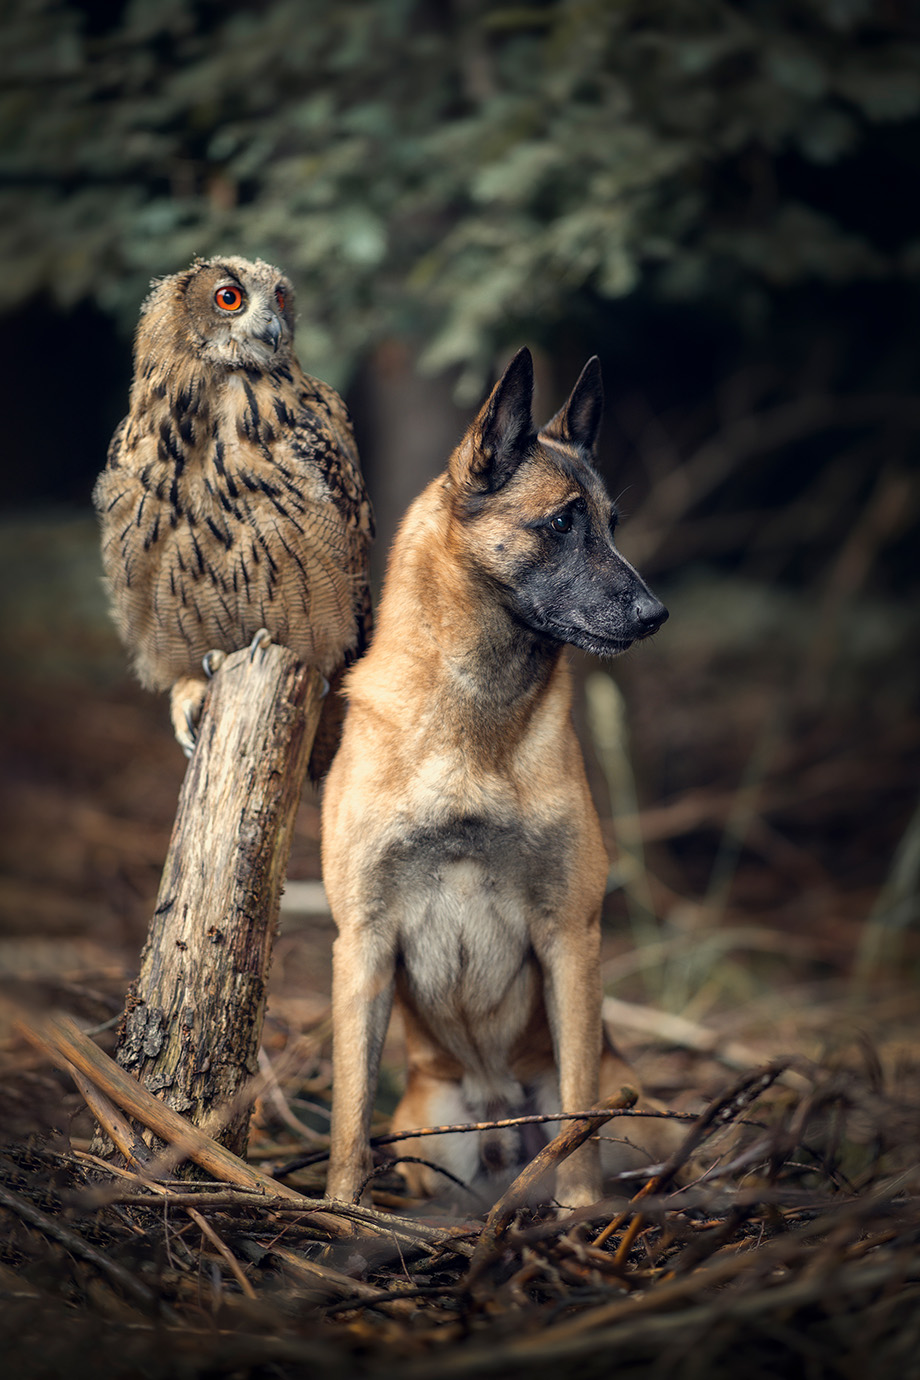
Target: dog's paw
[[345, 1182], [578, 1180]]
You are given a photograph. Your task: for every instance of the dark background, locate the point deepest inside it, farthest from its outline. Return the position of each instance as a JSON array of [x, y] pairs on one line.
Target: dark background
[[718, 199]]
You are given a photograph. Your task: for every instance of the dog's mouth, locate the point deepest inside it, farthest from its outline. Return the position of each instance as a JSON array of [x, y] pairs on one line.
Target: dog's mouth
[[588, 641], [601, 646]]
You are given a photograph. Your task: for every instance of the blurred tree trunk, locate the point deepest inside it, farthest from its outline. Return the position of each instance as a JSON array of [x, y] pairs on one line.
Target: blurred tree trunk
[[407, 425]]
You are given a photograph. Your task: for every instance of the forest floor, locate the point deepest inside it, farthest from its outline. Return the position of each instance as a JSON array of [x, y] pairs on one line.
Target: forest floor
[[761, 971]]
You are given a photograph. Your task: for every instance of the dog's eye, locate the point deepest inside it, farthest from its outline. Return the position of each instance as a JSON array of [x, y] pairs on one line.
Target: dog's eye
[[562, 522]]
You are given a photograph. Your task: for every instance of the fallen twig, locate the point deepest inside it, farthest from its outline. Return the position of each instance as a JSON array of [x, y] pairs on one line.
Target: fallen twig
[[273, 1094], [66, 1046], [721, 1112], [312, 1157], [117, 1128]]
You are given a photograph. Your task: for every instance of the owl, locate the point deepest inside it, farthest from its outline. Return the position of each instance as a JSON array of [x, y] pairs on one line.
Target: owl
[[232, 502]]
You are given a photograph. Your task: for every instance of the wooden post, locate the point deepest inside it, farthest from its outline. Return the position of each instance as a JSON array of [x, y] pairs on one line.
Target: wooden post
[[193, 1019]]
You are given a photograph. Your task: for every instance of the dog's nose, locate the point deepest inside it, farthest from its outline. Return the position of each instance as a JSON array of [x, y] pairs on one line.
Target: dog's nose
[[649, 614]]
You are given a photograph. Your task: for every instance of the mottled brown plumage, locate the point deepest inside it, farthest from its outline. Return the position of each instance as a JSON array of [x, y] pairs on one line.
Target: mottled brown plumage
[[232, 499]]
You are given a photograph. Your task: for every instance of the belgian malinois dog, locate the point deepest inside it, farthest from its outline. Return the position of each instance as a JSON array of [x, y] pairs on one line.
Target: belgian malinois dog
[[462, 853]]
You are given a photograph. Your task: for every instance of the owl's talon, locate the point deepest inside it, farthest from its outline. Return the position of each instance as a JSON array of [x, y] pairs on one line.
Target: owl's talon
[[212, 662], [324, 688], [189, 738], [186, 700], [259, 643]]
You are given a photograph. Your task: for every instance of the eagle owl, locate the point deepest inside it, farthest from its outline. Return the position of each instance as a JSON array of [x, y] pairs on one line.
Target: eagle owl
[[232, 500]]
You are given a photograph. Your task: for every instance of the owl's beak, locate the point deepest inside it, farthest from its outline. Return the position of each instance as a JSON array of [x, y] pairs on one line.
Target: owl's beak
[[272, 332]]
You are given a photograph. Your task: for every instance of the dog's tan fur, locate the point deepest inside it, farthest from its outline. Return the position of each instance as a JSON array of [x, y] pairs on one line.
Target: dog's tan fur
[[462, 853]]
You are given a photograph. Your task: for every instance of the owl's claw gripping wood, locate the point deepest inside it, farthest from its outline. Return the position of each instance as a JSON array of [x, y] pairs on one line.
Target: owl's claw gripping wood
[[262, 639], [190, 737], [185, 703], [212, 662], [232, 504]]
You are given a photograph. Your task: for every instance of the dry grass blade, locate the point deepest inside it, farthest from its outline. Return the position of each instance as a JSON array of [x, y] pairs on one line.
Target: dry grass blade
[[223, 1251]]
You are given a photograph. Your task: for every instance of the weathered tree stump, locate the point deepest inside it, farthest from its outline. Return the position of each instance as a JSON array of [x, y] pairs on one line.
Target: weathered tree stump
[[193, 1019]]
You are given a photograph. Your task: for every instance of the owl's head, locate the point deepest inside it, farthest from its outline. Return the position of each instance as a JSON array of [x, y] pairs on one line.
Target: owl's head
[[227, 311]]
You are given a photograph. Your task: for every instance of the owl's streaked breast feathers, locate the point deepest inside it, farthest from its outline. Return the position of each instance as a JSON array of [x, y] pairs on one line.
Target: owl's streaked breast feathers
[[232, 498]]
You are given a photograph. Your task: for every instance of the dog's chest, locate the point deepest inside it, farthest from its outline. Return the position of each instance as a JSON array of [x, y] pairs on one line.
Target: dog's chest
[[465, 897], [463, 939]]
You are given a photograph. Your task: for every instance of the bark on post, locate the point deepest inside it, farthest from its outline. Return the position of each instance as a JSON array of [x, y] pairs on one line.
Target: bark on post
[[193, 1019]]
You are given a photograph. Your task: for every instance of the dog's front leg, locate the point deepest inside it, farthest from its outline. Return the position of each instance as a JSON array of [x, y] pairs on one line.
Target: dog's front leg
[[362, 997], [573, 1008]]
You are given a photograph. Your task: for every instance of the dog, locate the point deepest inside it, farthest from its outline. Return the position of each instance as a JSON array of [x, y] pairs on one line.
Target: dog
[[462, 853]]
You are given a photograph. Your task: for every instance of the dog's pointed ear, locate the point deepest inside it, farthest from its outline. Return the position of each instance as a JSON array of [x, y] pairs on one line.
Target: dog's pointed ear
[[578, 421], [496, 442]]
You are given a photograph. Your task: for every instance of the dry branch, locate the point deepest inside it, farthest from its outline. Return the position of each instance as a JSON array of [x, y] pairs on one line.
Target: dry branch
[[68, 1048], [720, 1269], [117, 1127], [223, 1251]]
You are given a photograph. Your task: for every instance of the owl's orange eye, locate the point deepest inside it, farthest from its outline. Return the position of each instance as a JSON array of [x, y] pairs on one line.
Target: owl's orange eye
[[280, 299], [229, 298]]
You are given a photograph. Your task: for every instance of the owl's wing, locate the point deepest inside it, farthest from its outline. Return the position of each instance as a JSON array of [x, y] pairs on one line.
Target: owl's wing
[[323, 435], [103, 494], [113, 455], [323, 439]]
